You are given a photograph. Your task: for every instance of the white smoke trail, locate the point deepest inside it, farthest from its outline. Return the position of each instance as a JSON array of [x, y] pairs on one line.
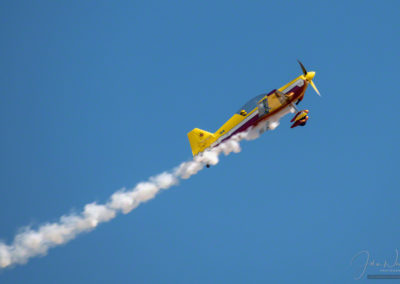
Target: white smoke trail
[[31, 243]]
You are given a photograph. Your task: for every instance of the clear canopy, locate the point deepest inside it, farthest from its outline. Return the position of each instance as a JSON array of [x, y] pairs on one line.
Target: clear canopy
[[251, 104]]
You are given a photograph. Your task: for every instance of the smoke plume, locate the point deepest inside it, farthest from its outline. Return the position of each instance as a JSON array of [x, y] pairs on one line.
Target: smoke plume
[[36, 242]]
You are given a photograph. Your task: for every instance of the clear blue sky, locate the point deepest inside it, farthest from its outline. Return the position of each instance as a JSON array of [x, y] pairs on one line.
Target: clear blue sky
[[97, 95]]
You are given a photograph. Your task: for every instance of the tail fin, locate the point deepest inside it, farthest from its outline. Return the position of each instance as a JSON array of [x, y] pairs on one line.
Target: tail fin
[[199, 140]]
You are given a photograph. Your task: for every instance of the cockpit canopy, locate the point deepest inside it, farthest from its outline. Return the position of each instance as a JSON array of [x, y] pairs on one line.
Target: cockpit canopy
[[251, 104]]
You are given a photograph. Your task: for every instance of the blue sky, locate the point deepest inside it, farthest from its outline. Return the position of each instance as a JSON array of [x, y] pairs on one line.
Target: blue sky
[[96, 96]]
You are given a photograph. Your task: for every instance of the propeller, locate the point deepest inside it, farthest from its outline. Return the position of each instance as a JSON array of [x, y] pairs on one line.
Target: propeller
[[309, 76]]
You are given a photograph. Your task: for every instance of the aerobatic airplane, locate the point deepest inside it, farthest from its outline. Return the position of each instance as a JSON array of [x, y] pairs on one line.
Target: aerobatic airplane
[[261, 108]]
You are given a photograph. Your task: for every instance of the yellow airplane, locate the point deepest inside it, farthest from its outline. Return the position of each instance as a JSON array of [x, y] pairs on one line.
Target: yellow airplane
[[258, 109]]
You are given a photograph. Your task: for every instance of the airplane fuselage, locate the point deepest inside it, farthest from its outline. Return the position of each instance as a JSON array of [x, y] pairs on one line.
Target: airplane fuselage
[[296, 88], [262, 107]]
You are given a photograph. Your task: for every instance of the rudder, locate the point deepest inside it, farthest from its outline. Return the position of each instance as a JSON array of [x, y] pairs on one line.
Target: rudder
[[199, 140]]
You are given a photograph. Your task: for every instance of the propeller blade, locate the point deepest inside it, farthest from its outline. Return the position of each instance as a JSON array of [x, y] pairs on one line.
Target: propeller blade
[[315, 88], [302, 67]]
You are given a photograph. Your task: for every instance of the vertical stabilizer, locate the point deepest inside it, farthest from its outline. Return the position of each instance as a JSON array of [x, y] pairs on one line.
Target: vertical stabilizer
[[199, 140]]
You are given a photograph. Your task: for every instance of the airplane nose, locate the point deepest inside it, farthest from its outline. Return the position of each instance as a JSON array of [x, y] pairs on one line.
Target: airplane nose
[[310, 75]]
